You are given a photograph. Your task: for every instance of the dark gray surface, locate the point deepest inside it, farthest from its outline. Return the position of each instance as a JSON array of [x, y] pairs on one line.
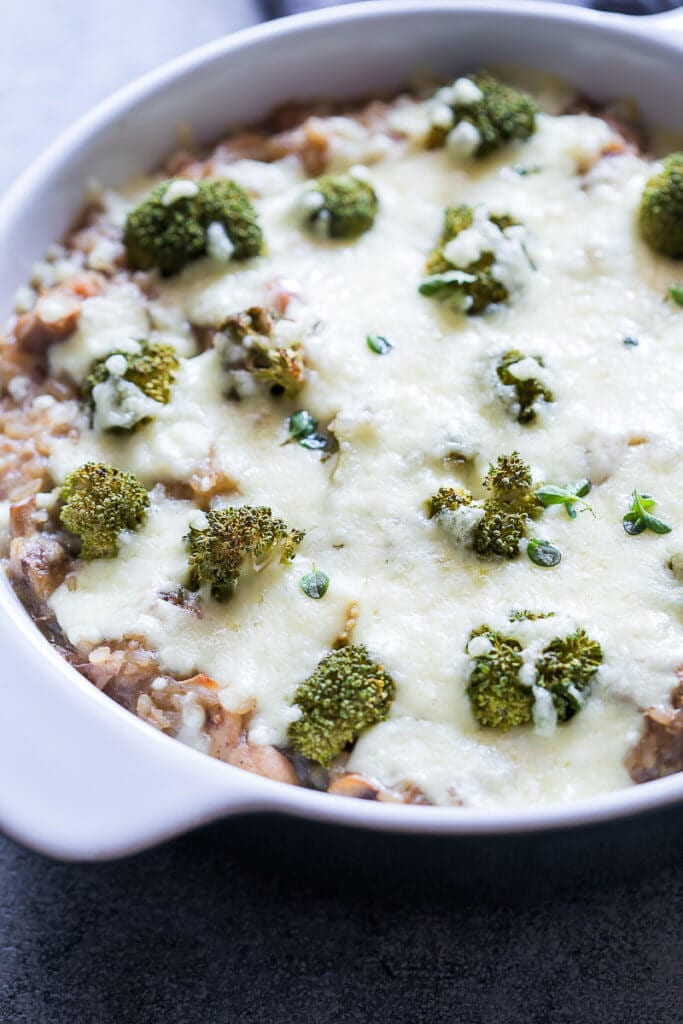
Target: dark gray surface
[[270, 921]]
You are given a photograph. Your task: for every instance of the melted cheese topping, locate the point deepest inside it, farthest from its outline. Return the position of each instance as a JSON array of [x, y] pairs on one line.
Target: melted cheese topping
[[616, 419]]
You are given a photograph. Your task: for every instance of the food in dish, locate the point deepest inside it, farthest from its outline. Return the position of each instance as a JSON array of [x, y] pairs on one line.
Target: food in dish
[[331, 451]]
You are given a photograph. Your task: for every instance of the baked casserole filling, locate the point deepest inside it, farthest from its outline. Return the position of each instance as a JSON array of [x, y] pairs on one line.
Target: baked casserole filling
[[348, 450]]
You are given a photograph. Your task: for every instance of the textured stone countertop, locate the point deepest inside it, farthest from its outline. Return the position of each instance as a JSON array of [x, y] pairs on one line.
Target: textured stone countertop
[[273, 922]]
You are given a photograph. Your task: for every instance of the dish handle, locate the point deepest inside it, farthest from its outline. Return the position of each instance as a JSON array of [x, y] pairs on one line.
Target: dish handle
[[83, 779]]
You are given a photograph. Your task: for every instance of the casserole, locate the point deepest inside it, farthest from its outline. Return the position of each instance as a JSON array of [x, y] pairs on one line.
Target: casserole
[[144, 788]]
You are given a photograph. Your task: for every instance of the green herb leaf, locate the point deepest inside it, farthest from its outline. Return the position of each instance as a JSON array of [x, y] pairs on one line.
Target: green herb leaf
[[638, 518], [551, 495], [676, 293], [543, 553], [524, 172], [301, 424], [315, 442], [303, 428], [630, 341], [314, 584], [379, 344], [437, 282], [568, 496]]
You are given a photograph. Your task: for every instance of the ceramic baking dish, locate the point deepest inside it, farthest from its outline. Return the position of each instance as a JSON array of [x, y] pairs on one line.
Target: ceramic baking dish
[[81, 777]]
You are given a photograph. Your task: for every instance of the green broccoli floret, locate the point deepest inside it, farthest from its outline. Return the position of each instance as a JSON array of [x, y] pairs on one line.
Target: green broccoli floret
[[250, 348], [510, 481], [470, 287], [448, 499], [348, 209], [525, 615], [347, 693], [500, 532], [228, 204], [170, 236], [457, 515], [455, 220], [166, 237], [501, 115], [501, 520], [565, 668], [232, 538], [497, 697], [151, 370], [529, 392], [509, 507], [661, 209], [98, 502]]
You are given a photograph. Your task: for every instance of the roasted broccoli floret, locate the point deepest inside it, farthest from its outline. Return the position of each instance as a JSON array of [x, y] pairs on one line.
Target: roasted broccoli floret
[[529, 392], [346, 693], [500, 532], [512, 502], [661, 209], [251, 353], [494, 525], [98, 502], [164, 236], [510, 481], [457, 515], [499, 113], [170, 228], [234, 538], [118, 385], [448, 499], [525, 615], [467, 285], [348, 207], [227, 204], [497, 697], [566, 668]]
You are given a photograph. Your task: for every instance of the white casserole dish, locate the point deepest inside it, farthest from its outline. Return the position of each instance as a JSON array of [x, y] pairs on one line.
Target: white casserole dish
[[82, 778]]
